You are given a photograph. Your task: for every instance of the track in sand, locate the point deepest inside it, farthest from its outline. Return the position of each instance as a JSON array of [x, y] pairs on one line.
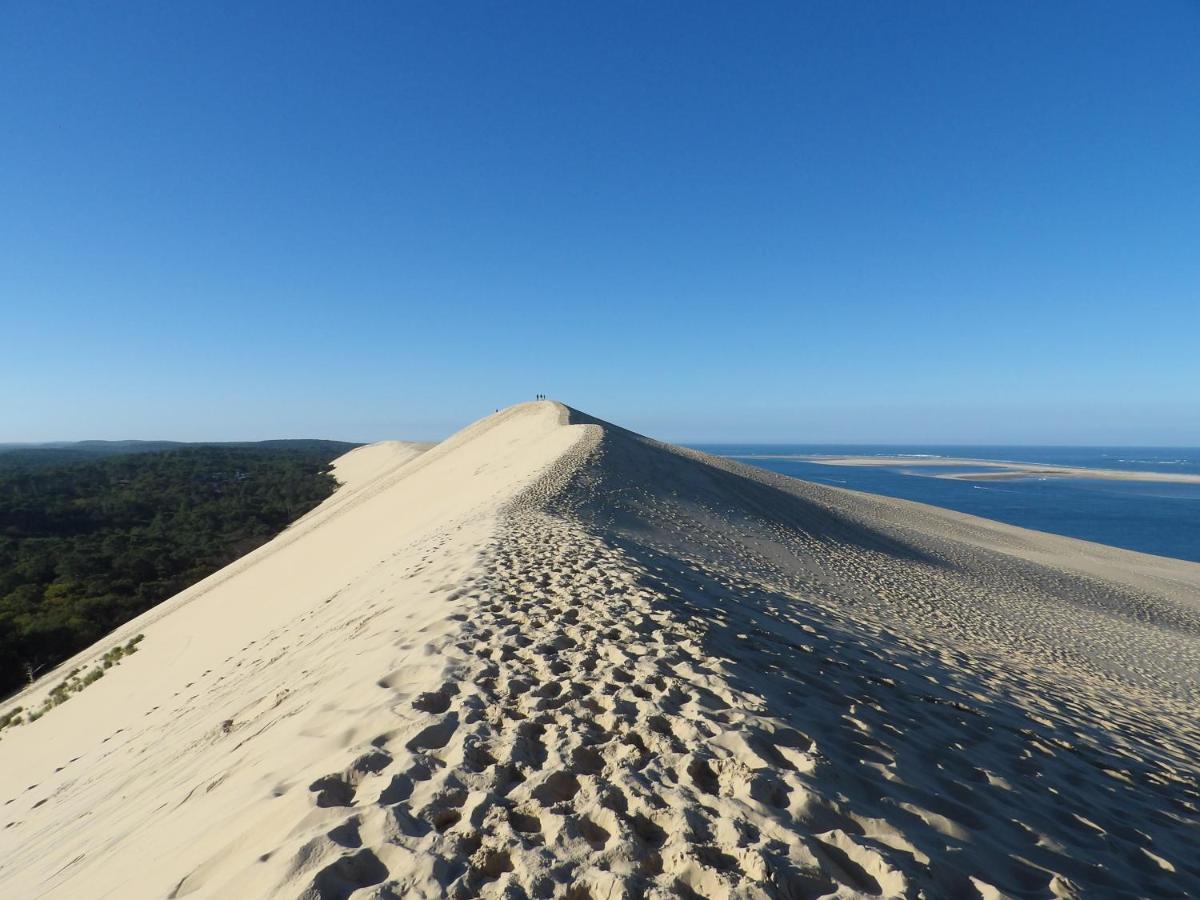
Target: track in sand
[[551, 658]]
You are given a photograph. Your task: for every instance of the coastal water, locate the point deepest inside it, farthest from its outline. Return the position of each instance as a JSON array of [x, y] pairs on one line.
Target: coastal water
[[1151, 517]]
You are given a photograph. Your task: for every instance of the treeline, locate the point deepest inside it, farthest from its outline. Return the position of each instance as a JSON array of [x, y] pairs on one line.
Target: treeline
[[87, 546], [43, 456]]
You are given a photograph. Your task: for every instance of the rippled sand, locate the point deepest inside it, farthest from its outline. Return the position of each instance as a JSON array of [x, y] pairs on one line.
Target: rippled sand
[[551, 658]]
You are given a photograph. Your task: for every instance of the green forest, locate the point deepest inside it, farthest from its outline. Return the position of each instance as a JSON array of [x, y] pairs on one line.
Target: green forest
[[89, 540]]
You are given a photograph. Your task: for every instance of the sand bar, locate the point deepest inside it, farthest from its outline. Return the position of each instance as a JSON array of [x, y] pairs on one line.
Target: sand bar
[[1010, 469]]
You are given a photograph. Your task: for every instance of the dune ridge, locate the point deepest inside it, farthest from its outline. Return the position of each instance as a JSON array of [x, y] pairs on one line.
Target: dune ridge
[[553, 658]]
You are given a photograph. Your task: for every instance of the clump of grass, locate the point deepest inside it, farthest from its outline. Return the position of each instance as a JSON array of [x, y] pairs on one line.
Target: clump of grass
[[113, 656], [74, 682], [12, 717]]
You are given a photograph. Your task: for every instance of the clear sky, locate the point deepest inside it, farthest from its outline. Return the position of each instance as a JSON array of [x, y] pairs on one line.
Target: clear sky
[[922, 222]]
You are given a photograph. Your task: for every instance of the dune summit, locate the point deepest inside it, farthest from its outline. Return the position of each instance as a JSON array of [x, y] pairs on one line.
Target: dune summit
[[552, 658]]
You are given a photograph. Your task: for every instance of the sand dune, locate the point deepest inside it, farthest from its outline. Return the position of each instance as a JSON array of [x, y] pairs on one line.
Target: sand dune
[[551, 658]]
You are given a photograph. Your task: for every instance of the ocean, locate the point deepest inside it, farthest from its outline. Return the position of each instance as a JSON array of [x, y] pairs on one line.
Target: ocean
[[1158, 518]]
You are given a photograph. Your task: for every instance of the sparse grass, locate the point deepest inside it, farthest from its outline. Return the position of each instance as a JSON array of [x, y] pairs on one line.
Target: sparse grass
[[113, 656], [72, 684], [12, 717]]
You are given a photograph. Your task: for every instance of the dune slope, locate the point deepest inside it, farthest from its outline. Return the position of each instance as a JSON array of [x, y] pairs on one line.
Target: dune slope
[[549, 657]]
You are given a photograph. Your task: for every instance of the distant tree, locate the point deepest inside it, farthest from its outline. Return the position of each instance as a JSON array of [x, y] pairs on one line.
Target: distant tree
[[86, 546]]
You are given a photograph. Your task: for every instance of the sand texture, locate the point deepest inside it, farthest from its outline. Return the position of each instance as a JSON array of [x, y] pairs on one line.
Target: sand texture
[[551, 658]]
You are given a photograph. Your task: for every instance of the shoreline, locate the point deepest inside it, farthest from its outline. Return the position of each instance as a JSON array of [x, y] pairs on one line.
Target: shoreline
[[1007, 470]]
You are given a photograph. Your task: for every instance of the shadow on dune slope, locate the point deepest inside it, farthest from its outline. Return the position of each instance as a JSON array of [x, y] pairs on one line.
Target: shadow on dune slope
[[970, 765], [635, 482], [1003, 777], [899, 558]]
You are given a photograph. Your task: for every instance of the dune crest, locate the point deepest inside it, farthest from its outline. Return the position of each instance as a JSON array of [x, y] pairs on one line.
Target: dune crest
[[549, 657]]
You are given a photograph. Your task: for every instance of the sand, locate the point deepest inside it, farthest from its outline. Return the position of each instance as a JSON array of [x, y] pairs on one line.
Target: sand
[[1000, 470], [551, 658]]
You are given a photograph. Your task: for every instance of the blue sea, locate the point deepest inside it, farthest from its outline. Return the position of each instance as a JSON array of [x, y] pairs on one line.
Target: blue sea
[[1163, 519]]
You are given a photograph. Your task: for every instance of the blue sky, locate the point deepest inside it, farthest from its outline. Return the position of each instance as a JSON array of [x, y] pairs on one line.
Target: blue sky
[[933, 222]]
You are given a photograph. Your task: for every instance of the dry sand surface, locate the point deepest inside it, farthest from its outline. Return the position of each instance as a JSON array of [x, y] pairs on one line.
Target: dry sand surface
[[551, 658]]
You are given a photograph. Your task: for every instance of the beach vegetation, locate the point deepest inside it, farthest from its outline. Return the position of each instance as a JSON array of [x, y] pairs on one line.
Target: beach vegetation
[[74, 682]]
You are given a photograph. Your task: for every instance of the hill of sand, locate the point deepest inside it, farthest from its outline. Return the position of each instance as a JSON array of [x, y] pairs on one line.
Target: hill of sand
[[551, 658]]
